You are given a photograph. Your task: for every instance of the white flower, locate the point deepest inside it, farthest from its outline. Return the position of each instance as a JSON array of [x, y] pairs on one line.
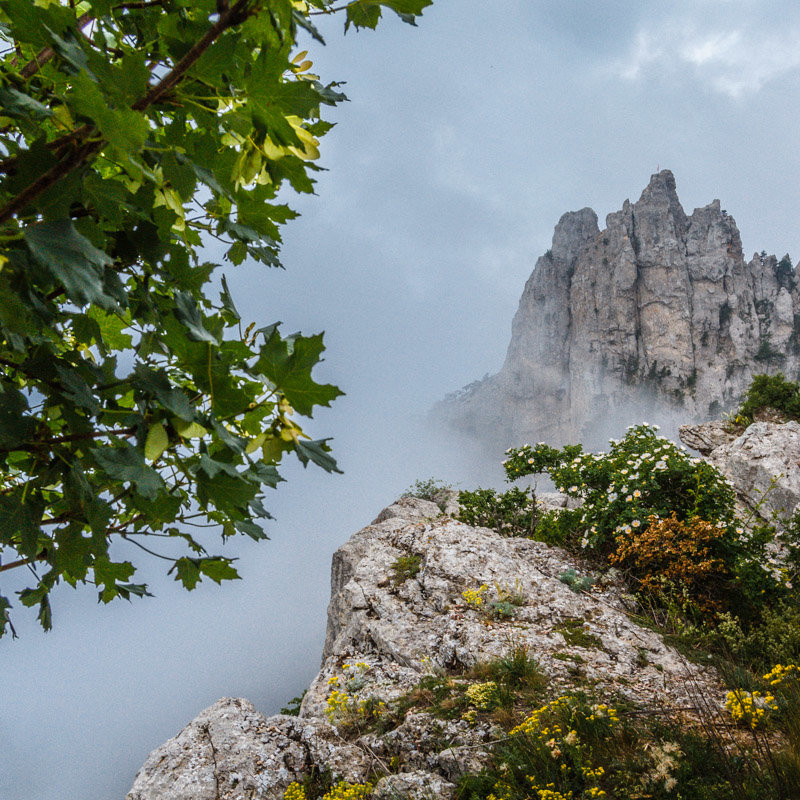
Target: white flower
[[629, 499], [636, 523], [637, 493], [612, 496], [661, 464]]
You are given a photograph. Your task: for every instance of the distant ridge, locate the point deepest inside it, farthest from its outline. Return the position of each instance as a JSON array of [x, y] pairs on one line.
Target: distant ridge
[[659, 313]]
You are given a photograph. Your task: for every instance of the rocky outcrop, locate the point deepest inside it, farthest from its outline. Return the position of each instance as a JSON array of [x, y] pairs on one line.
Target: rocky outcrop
[[387, 631], [762, 464], [657, 312]]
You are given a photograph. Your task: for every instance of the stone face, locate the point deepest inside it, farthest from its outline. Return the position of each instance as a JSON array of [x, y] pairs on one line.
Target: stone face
[[231, 751], [384, 636], [706, 436], [660, 309], [762, 465]]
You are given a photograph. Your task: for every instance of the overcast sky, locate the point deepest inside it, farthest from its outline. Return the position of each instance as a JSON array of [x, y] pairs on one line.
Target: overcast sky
[[464, 142]]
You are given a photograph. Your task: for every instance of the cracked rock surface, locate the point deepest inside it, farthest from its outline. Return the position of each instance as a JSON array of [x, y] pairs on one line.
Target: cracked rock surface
[[385, 634], [762, 464]]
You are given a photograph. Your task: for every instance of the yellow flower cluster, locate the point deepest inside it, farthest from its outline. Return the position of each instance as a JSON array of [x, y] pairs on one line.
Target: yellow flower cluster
[[550, 793], [295, 791], [749, 707], [593, 774], [348, 791], [338, 704], [474, 597], [482, 695], [500, 791], [533, 724], [602, 711], [780, 674], [368, 708]]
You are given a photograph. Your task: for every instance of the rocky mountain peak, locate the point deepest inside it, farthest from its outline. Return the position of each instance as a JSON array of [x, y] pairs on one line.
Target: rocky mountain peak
[[658, 314], [574, 230]]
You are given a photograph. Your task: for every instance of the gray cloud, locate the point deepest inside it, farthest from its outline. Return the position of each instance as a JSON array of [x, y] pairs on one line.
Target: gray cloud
[[464, 142]]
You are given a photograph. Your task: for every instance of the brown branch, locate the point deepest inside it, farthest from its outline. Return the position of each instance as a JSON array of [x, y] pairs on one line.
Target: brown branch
[[139, 4], [44, 55], [20, 563], [72, 437], [49, 178], [78, 135], [235, 15]]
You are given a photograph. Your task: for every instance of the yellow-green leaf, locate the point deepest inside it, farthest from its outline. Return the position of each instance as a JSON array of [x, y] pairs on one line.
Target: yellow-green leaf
[[157, 442], [254, 444], [189, 430]]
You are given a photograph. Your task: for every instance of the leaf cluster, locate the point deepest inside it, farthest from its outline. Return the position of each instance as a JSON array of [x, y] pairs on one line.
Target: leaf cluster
[[135, 403]]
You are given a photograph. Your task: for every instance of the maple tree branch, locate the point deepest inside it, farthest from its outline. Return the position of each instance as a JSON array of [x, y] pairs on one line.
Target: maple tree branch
[[20, 563], [72, 437], [235, 15], [46, 53]]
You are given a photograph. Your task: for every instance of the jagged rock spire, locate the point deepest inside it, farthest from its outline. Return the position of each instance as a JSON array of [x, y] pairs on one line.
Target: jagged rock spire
[[658, 311]]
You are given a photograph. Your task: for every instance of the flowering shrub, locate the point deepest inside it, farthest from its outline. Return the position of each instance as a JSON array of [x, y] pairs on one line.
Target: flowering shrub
[[559, 744], [670, 557], [484, 696], [641, 476], [750, 708]]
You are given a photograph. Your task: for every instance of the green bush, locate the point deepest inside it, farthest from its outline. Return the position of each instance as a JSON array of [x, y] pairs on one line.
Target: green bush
[[642, 476], [429, 489], [512, 513], [770, 391]]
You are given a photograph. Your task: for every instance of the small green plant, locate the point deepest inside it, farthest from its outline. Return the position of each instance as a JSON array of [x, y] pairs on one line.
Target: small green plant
[[770, 391], [429, 489], [405, 567], [292, 708], [510, 594], [500, 609], [578, 583], [517, 670], [512, 513], [575, 634]]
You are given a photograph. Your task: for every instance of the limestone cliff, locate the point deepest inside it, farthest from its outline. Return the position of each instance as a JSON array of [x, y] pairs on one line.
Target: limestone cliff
[[386, 635], [659, 310], [399, 621]]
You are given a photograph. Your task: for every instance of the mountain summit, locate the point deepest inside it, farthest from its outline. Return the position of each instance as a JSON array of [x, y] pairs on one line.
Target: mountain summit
[[658, 313]]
